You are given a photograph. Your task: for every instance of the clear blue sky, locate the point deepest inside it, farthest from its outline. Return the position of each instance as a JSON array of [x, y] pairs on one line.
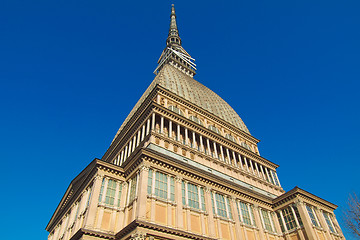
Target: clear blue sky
[[71, 71]]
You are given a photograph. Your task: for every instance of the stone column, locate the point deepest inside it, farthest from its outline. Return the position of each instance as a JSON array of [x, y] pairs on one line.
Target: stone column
[[186, 137], [153, 122], [240, 162], [201, 144], [129, 149], [257, 169], [235, 160], [138, 138], [208, 146], [306, 220], [121, 218], [90, 218], [222, 153], [215, 150], [142, 192], [178, 133], [170, 129], [161, 124], [179, 220], [258, 222], [211, 219], [236, 217], [252, 167], [246, 163], [148, 126], [275, 220], [301, 234], [143, 133], [324, 225], [228, 156]]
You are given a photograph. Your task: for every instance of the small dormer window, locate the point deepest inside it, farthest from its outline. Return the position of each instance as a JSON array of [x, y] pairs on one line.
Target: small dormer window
[[176, 110], [245, 146], [230, 137], [195, 119], [214, 129]]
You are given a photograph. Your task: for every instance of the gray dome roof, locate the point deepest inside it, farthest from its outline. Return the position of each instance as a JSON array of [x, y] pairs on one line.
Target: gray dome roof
[[188, 88]]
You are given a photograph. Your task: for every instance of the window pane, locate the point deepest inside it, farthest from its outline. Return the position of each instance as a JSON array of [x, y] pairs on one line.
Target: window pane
[[202, 199], [220, 203], [172, 188], [193, 196], [150, 177], [311, 215], [161, 185], [266, 217]]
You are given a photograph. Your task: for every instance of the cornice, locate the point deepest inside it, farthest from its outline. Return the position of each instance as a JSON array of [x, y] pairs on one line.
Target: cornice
[[207, 113], [218, 182], [82, 231], [158, 228], [298, 192], [212, 136]]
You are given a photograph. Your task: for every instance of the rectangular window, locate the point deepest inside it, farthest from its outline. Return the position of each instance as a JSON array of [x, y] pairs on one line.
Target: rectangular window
[[119, 195], [267, 221], [280, 222], [228, 207], [172, 188], [133, 189], [289, 219], [202, 196], [161, 185], [312, 215], [150, 179], [328, 222], [246, 214], [220, 203], [110, 192], [102, 189], [183, 192], [193, 196], [212, 203], [221, 206]]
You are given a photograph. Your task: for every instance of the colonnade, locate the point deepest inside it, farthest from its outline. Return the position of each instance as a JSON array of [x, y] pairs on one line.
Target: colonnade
[[174, 131]]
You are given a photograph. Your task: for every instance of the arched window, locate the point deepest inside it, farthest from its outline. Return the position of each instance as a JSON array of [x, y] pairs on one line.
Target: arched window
[[176, 110], [195, 119], [230, 137], [214, 129]]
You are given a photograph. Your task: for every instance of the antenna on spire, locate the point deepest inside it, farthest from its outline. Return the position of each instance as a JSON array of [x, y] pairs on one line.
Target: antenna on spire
[[174, 53]]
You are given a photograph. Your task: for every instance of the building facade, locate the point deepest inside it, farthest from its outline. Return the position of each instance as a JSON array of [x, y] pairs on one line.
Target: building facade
[[183, 165]]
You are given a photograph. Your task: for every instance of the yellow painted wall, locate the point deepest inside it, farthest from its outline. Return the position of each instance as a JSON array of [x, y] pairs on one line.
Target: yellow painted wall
[[148, 209], [225, 231], [195, 223], [250, 235], [105, 223], [160, 213]]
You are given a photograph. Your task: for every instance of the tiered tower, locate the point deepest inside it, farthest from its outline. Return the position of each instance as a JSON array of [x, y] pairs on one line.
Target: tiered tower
[[183, 165]]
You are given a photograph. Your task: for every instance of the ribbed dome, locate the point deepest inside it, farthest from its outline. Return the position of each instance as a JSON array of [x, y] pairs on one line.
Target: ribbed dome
[[188, 88]]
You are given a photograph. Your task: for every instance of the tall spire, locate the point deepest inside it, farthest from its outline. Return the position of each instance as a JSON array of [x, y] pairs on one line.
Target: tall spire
[[173, 37], [174, 54]]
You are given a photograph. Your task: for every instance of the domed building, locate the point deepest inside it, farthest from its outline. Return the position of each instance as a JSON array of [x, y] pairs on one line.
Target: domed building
[[183, 165]]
